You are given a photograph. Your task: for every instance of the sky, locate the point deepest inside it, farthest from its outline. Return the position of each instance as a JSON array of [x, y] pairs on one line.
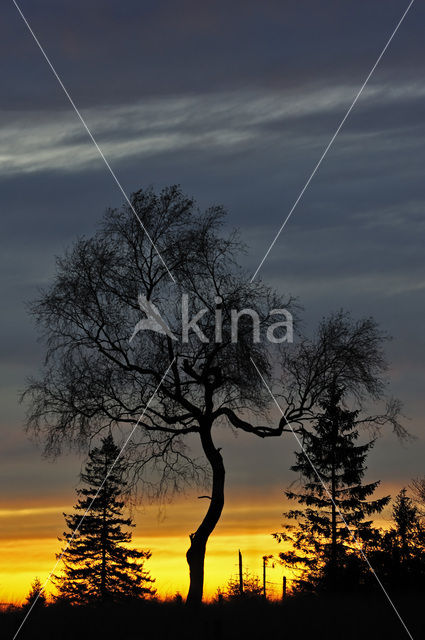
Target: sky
[[236, 102]]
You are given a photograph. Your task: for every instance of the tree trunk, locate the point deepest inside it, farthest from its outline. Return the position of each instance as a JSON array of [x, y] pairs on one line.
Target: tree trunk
[[198, 541]]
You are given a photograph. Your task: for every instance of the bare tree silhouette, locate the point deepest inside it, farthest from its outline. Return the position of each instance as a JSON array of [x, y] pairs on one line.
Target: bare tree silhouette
[[252, 589], [417, 487], [349, 354], [95, 378]]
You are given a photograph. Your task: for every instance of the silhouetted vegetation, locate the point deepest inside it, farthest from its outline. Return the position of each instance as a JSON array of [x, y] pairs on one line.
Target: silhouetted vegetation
[[251, 589], [336, 502], [369, 617], [95, 379], [417, 487], [98, 563], [36, 596], [398, 554]]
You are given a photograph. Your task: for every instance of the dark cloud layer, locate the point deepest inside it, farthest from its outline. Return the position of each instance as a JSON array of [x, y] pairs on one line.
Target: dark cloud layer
[[115, 52], [235, 101]]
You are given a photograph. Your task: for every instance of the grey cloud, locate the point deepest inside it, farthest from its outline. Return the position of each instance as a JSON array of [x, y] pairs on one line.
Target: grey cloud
[[236, 102], [109, 53], [56, 141]]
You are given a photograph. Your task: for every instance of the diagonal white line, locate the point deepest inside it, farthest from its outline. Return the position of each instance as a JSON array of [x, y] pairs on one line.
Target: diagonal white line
[[257, 270], [83, 122], [341, 124], [353, 537], [92, 501]]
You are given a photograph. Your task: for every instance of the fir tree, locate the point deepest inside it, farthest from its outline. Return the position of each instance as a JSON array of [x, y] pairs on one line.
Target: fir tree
[[36, 596], [406, 520], [322, 548], [99, 565], [399, 553]]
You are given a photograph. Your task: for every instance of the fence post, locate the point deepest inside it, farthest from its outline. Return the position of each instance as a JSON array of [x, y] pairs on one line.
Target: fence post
[[240, 574]]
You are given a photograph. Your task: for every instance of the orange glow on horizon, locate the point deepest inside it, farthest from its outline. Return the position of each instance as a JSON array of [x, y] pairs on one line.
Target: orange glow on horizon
[[29, 542]]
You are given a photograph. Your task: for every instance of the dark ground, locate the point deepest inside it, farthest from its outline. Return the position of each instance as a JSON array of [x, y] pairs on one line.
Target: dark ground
[[327, 618]]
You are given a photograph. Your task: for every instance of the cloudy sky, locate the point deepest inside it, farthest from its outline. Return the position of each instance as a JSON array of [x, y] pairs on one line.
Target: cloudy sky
[[236, 102]]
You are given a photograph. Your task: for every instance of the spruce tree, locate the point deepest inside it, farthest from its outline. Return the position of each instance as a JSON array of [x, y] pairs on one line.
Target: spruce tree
[[399, 552], [99, 565], [36, 596], [406, 520], [323, 550]]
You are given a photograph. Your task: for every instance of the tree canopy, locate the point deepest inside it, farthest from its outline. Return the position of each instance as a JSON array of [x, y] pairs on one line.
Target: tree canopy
[[96, 378]]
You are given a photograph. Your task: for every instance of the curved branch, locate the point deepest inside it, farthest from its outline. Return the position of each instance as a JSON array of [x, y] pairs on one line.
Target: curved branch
[[260, 431]]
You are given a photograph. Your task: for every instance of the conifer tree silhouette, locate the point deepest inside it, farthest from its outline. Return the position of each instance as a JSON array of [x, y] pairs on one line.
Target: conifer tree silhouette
[[35, 594], [399, 552], [322, 548], [406, 520], [99, 566]]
